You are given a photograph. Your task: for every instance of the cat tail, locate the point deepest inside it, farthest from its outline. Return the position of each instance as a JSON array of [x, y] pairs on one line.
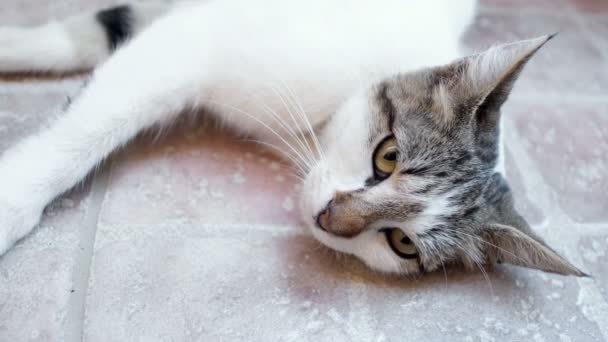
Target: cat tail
[[76, 43]]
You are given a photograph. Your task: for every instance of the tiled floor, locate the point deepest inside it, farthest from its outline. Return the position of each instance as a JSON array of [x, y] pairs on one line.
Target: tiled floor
[[195, 236]]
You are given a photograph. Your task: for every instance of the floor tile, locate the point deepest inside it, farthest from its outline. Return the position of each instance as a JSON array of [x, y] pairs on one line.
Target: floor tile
[[523, 204], [36, 275], [24, 107], [569, 146], [199, 174], [598, 31], [204, 282], [594, 252]]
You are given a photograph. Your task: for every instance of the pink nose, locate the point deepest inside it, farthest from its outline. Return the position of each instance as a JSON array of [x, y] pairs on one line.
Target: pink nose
[[323, 217], [341, 217]]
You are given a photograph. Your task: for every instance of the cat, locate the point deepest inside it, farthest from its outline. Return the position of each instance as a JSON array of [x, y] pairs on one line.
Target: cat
[[396, 136]]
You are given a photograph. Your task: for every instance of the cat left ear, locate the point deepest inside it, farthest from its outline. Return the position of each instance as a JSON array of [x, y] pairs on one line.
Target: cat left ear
[[478, 85], [490, 75], [510, 245]]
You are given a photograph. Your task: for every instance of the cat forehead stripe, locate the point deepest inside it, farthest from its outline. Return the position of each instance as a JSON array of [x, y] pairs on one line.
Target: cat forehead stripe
[[387, 108]]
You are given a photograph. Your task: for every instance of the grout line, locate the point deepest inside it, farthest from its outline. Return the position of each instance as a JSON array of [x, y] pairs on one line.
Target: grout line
[[74, 323]]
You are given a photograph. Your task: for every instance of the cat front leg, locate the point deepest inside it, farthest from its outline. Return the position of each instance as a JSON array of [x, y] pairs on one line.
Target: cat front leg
[[146, 83]]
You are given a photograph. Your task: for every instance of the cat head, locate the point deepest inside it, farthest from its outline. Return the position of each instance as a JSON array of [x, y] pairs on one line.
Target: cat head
[[408, 179]]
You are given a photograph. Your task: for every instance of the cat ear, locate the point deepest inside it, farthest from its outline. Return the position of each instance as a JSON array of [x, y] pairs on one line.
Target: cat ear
[[479, 84], [511, 245], [490, 75]]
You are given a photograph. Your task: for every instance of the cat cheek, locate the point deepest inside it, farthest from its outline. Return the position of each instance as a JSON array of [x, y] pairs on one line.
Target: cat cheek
[[313, 197], [306, 201]]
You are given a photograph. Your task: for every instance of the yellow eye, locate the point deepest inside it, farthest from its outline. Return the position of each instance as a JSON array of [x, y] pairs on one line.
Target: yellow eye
[[385, 157], [401, 243]]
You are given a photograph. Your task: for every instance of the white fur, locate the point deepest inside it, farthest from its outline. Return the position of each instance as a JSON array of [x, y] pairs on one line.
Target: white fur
[[240, 58]]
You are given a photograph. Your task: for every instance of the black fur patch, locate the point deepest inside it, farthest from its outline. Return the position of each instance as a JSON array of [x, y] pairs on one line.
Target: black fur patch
[[469, 212], [416, 170], [425, 189], [117, 22], [462, 159]]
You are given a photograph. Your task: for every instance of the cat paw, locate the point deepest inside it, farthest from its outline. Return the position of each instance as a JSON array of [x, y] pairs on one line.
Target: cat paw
[[15, 223]]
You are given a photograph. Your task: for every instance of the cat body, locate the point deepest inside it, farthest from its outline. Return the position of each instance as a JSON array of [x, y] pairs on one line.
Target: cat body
[[283, 71]]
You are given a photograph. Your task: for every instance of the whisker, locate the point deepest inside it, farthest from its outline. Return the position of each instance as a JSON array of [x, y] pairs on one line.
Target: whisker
[[286, 127], [476, 261], [263, 124], [445, 274], [306, 120], [485, 275], [296, 123], [282, 151], [313, 134]]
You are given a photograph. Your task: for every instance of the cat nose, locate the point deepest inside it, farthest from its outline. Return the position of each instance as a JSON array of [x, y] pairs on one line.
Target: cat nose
[[341, 217], [322, 218]]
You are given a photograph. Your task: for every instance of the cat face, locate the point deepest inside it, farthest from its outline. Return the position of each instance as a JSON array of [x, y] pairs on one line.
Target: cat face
[[407, 180]]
